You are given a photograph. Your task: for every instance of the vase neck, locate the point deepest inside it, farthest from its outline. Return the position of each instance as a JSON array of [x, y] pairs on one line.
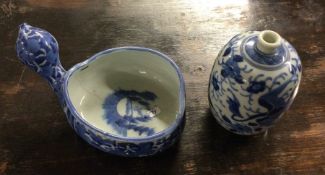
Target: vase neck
[[268, 41], [262, 54]]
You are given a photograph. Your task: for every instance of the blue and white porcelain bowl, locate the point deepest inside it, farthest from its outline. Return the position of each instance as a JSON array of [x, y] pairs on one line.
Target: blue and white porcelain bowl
[[254, 80], [128, 101]]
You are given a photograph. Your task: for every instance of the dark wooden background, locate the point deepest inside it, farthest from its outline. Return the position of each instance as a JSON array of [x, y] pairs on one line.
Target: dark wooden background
[[35, 137]]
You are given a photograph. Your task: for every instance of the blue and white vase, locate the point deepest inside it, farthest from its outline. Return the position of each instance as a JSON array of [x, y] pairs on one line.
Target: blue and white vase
[[254, 80], [127, 101]]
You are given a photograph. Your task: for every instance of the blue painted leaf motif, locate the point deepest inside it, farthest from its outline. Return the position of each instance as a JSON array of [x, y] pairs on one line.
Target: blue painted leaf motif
[[256, 87], [293, 70], [234, 106], [215, 83], [231, 69], [239, 79], [299, 67], [227, 51], [136, 103]]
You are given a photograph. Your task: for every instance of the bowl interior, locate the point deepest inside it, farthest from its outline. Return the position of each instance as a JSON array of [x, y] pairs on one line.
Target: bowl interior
[[127, 93]]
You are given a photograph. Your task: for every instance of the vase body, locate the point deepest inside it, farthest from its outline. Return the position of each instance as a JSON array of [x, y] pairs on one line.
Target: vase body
[[254, 80]]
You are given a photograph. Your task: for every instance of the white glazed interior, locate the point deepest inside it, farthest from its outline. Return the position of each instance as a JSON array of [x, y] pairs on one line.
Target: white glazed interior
[[138, 70]]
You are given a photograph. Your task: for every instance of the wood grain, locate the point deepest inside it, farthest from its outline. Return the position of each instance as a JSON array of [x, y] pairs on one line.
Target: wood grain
[[35, 137]]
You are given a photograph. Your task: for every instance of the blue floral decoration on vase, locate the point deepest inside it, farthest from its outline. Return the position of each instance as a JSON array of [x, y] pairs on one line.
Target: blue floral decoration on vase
[[253, 82]]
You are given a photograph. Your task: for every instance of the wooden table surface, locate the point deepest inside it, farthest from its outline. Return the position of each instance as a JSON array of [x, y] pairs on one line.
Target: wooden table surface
[[35, 137]]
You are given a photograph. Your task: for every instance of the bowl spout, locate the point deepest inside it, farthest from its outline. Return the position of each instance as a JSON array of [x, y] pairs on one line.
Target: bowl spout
[[39, 50]]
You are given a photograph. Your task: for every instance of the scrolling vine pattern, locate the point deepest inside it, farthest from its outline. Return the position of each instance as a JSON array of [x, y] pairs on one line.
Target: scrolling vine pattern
[[245, 100], [39, 50]]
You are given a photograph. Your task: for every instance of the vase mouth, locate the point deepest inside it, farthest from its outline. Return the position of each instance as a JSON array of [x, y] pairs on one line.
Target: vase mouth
[[253, 54], [268, 41]]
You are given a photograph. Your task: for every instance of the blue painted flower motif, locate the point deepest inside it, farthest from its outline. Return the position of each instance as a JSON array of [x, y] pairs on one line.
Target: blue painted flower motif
[[271, 94], [256, 87], [215, 83], [231, 69]]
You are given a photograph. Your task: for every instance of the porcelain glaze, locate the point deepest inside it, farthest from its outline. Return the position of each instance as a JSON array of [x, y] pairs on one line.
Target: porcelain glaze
[[127, 101], [254, 80]]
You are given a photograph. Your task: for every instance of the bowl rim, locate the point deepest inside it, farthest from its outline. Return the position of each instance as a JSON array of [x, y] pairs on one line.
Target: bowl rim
[[164, 132]]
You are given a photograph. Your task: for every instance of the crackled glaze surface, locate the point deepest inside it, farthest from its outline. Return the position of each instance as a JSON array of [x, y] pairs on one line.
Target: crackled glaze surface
[[249, 91]]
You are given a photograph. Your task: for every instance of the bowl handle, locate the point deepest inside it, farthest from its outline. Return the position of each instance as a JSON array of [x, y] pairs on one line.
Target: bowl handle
[[39, 50]]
